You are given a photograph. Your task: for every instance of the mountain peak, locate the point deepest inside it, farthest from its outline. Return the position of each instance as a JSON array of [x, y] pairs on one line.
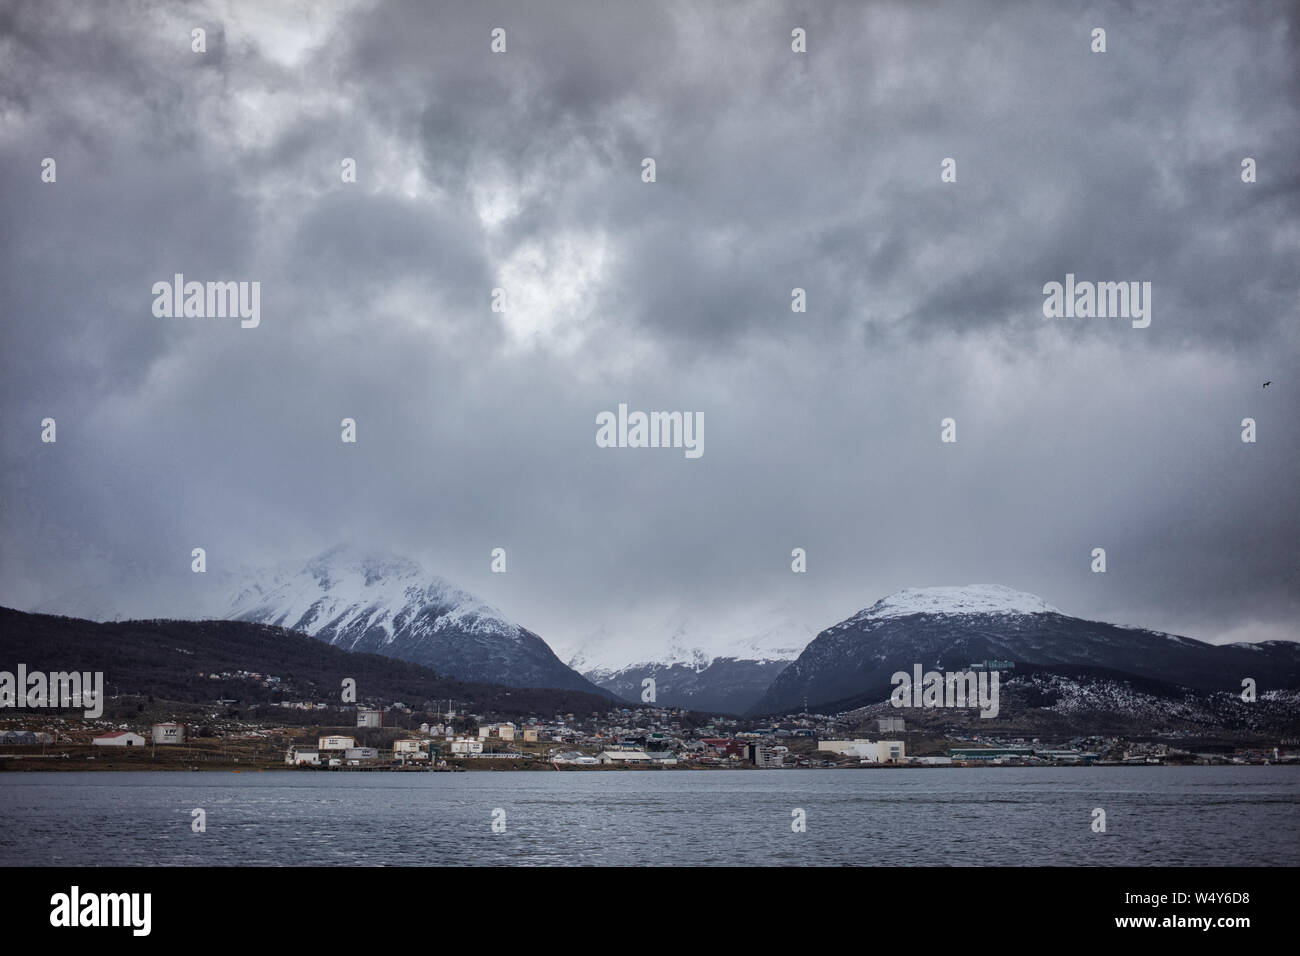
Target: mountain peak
[[372, 564], [373, 600], [346, 587], [968, 599]]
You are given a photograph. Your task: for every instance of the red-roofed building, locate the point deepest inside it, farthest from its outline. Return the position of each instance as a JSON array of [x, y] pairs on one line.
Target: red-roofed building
[[724, 746]]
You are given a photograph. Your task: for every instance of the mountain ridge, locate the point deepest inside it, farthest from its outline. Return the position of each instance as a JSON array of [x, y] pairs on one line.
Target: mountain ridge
[[177, 660], [850, 663]]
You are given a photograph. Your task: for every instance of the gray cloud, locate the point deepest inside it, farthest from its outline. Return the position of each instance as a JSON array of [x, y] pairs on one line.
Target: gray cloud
[[775, 171]]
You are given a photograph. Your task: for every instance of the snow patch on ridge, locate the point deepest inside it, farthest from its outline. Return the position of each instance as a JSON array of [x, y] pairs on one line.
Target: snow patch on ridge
[[970, 599]]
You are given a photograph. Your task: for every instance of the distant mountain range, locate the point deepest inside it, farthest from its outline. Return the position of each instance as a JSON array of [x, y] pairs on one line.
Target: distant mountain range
[[699, 667], [850, 664], [375, 601], [764, 662]]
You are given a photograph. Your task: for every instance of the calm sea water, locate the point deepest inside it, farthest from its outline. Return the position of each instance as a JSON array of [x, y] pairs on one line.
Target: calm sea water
[[1154, 815]]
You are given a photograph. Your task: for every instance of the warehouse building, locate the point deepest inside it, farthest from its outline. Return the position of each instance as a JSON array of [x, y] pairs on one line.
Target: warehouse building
[[119, 738]]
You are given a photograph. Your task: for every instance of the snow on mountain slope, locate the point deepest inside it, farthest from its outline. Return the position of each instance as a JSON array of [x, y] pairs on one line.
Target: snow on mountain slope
[[699, 665], [89, 602], [346, 591], [378, 602], [1054, 704], [970, 599], [768, 634]]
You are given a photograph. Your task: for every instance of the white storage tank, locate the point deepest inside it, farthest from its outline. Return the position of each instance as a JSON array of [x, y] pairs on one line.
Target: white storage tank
[[169, 733]]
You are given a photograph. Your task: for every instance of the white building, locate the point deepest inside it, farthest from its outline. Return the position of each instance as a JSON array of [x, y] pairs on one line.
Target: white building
[[119, 738], [300, 756], [337, 743], [869, 751], [410, 750], [464, 745], [504, 731], [169, 733], [890, 751], [370, 718], [356, 755], [623, 757]]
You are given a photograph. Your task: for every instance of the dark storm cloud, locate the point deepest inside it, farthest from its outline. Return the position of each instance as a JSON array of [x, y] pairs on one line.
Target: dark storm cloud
[[775, 171]]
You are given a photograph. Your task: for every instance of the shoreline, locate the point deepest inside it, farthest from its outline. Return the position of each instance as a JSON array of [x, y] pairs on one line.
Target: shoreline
[[55, 764]]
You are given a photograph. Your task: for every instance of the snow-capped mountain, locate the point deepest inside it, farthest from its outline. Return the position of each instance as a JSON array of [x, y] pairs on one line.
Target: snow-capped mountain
[[972, 599], [380, 603], [850, 663], [345, 591], [357, 600], [722, 668]]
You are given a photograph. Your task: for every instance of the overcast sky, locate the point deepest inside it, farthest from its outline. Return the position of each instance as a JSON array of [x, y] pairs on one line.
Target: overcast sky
[[775, 170]]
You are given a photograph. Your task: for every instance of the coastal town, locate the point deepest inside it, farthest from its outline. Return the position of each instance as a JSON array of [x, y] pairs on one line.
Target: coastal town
[[317, 736]]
